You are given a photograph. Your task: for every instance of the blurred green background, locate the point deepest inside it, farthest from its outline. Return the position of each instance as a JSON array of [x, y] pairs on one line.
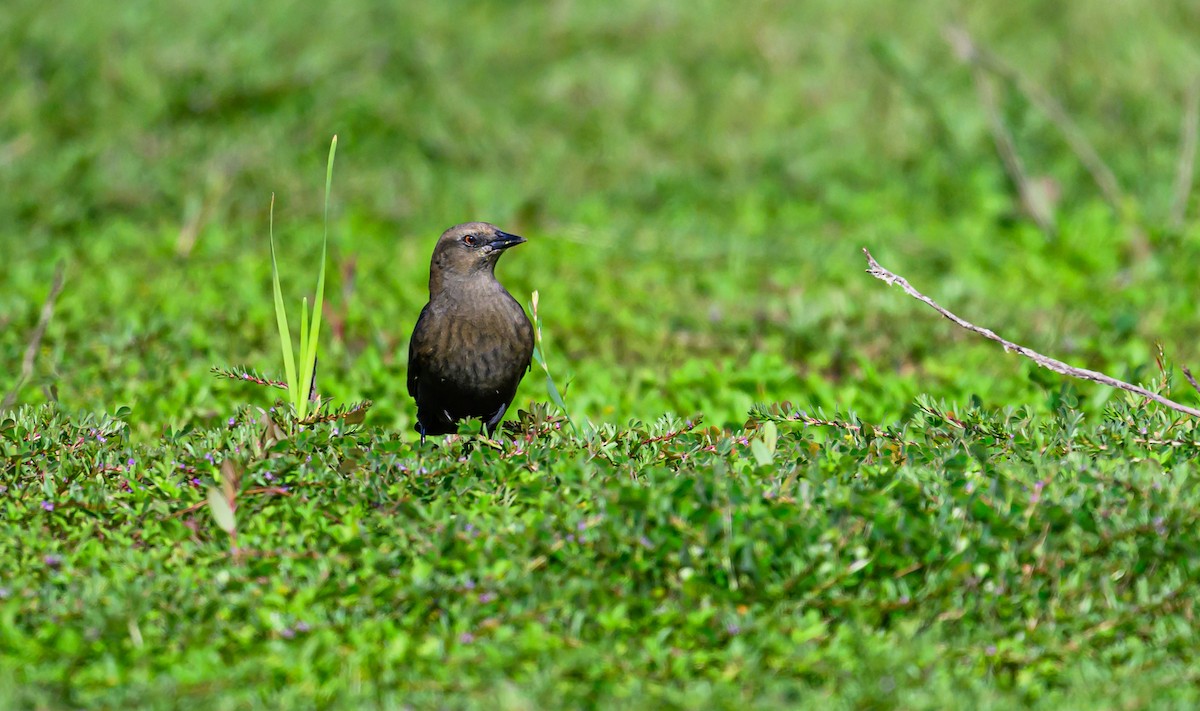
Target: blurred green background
[[695, 179]]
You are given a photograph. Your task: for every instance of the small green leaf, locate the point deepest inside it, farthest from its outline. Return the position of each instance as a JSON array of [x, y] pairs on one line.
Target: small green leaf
[[221, 510], [762, 454], [770, 436]]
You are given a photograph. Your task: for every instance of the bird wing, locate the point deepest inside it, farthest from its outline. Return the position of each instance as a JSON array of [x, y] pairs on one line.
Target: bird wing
[[414, 363], [529, 342]]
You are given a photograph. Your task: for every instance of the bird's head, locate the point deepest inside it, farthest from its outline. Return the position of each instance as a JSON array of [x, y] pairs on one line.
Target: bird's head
[[468, 250]]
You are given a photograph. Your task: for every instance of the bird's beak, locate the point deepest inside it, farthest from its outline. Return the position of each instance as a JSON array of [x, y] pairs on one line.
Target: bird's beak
[[504, 240]]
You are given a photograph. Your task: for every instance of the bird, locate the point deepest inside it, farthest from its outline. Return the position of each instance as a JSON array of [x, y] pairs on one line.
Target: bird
[[472, 343]]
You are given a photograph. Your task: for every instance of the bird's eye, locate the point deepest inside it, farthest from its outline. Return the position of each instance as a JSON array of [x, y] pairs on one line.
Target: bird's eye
[[469, 240]]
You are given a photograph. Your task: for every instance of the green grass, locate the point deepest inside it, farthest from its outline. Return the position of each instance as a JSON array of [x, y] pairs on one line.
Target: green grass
[[695, 182]]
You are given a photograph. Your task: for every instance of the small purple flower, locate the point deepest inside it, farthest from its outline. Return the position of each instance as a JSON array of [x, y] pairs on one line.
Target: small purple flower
[[1037, 492], [570, 538], [131, 462], [195, 481], [101, 439], [336, 432], [209, 457], [733, 628], [990, 650], [52, 560], [487, 597], [302, 626], [581, 526], [645, 542], [269, 476], [469, 584], [466, 638], [232, 421], [47, 506], [287, 633]]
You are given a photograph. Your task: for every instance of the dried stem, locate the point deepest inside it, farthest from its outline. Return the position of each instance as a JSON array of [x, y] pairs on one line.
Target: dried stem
[[1031, 198], [969, 51], [1186, 165], [35, 340], [1190, 378], [1044, 361]]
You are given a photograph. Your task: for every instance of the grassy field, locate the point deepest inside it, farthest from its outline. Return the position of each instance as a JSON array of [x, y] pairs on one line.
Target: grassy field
[[782, 484]]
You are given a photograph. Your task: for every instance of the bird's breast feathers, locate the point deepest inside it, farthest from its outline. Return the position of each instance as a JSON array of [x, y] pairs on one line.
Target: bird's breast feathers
[[478, 344]]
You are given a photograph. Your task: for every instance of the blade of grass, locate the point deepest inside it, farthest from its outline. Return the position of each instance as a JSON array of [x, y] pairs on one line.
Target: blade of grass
[[539, 355], [300, 399], [285, 334], [314, 332]]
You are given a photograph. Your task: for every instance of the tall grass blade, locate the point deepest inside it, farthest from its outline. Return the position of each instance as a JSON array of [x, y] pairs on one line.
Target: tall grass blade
[[285, 334], [314, 332], [300, 398]]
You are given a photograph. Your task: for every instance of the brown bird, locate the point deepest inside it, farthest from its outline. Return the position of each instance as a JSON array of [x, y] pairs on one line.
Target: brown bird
[[472, 343]]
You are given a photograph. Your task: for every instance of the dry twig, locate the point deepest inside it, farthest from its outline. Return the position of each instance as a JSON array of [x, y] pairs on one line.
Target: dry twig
[[1185, 168], [1044, 361], [1032, 200], [969, 51], [35, 340], [1190, 378]]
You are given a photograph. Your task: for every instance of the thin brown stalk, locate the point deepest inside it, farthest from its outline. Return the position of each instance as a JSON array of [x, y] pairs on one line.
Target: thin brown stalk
[[970, 51], [1190, 378], [1186, 164], [35, 340], [1031, 199]]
